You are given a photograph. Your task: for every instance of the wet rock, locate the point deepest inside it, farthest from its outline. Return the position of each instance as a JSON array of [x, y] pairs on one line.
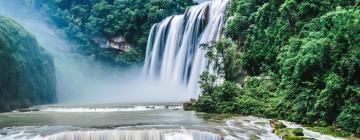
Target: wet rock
[[298, 132], [277, 124], [292, 134], [190, 105], [285, 133], [28, 110]]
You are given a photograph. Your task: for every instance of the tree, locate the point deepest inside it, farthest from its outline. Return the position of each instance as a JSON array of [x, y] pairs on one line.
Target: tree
[[226, 59]]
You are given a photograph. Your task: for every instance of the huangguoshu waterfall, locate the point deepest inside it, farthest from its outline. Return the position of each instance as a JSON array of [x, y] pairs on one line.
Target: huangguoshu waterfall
[[173, 52]]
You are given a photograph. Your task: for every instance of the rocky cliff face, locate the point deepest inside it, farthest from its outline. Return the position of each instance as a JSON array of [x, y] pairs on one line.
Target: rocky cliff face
[[27, 73], [117, 43]]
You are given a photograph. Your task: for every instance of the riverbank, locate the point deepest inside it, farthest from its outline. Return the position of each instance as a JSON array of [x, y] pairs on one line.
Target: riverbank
[[289, 130]]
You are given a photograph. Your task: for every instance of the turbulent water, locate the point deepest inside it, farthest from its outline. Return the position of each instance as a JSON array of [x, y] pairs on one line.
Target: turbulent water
[[151, 134], [126, 122], [173, 52], [134, 122]]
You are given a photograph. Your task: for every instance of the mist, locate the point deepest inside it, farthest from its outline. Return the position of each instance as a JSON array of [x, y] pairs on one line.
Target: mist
[[80, 79]]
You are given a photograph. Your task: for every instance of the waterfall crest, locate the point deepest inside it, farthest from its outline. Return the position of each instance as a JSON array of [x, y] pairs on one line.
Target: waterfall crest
[[173, 51], [148, 134]]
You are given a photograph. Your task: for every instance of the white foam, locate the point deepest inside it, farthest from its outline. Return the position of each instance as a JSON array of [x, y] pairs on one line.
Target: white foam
[[149, 134], [260, 127], [20, 136], [309, 133], [263, 125], [178, 136]]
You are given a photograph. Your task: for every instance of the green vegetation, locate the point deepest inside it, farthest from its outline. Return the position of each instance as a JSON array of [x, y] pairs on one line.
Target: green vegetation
[[277, 124], [190, 105], [292, 134], [214, 117], [293, 59], [26, 70], [288, 133], [86, 20], [330, 130]]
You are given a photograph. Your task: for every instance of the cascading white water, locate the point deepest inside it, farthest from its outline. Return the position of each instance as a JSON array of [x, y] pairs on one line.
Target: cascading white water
[[173, 51], [151, 134], [147, 134]]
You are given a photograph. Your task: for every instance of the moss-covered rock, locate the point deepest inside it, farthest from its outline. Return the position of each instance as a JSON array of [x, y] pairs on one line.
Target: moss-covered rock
[[285, 133], [277, 124], [27, 73], [291, 134], [298, 132]]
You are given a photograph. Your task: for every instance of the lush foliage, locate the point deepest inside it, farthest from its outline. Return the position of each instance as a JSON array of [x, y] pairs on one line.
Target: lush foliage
[[26, 70], [320, 69], [226, 58], [86, 20], [330, 130], [301, 59]]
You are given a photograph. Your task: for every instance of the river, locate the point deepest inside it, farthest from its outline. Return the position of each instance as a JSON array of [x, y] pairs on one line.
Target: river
[[147, 121]]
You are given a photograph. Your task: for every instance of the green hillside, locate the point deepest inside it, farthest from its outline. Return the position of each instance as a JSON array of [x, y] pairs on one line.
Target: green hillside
[[27, 73]]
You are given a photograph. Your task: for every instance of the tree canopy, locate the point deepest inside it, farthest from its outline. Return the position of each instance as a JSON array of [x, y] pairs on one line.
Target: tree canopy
[[299, 60], [27, 71], [84, 20]]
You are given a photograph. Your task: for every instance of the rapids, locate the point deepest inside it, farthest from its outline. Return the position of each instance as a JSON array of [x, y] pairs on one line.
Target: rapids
[[134, 122]]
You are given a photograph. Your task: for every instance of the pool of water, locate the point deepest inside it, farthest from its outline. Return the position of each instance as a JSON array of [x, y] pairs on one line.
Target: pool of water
[[151, 121]]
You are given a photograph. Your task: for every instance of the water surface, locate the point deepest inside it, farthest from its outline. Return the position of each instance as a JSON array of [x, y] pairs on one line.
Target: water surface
[[147, 121]]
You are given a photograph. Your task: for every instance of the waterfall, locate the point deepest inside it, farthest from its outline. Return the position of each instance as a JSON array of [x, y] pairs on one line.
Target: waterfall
[[118, 134], [150, 134], [173, 51]]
